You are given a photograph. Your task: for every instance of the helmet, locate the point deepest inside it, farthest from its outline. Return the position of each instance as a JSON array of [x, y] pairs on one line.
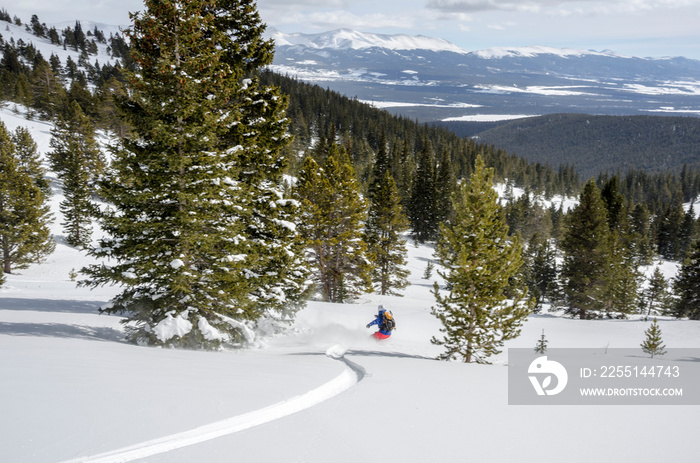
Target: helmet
[[380, 309]]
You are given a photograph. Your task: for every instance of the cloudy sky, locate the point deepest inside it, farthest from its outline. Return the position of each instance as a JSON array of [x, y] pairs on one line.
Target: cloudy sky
[[631, 27]]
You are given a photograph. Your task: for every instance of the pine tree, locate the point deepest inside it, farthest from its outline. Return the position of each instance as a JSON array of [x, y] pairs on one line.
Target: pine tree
[[656, 299], [586, 254], [380, 168], [25, 236], [653, 344], [47, 91], [528, 217], [540, 270], [180, 222], [624, 278], [429, 267], [541, 346], [28, 159], [384, 230], [422, 206], [78, 161], [686, 285], [279, 275], [668, 238], [333, 213], [404, 179], [687, 233], [445, 184], [485, 305], [614, 204], [640, 234]]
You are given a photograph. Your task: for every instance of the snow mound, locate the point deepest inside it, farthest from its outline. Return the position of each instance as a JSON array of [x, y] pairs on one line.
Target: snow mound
[[336, 352]]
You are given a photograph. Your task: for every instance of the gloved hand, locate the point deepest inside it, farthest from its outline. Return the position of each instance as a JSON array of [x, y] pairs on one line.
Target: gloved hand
[[367, 325]]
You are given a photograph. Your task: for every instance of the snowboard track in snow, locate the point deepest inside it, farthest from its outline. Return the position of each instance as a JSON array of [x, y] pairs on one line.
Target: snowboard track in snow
[[353, 374]]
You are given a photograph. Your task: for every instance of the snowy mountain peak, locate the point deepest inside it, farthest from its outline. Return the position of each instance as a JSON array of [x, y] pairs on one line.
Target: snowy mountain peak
[[344, 39], [348, 39], [531, 52]]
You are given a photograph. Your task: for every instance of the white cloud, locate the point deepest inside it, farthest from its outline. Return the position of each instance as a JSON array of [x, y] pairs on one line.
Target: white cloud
[[295, 4], [501, 26], [557, 6], [324, 20]]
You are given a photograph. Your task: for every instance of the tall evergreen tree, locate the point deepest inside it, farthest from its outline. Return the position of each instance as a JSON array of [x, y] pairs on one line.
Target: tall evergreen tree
[[668, 231], [181, 216], [25, 237], [382, 165], [109, 115], [48, 93], [640, 234], [333, 214], [656, 299], [541, 270], [445, 185], [614, 204], [624, 279], [404, 177], [687, 233], [28, 159], [686, 285], [485, 305], [384, 230], [385, 226], [78, 161], [279, 275], [586, 254], [422, 205]]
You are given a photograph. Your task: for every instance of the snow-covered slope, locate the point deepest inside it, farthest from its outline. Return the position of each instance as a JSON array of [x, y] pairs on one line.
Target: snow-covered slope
[[46, 48], [531, 52], [73, 390]]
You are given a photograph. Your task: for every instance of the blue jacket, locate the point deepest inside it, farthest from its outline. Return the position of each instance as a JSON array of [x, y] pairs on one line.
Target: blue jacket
[[378, 321]]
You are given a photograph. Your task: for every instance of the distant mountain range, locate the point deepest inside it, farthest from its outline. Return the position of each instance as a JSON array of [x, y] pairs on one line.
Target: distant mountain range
[[433, 80], [343, 39]]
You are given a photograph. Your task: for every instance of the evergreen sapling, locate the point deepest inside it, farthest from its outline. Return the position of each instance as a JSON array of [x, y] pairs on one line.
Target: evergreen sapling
[[653, 344], [541, 346]]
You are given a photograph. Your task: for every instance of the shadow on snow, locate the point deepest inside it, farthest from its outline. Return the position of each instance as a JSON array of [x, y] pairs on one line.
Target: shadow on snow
[[51, 305], [60, 330]]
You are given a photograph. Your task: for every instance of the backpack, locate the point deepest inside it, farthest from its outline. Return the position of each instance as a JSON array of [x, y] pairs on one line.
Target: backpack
[[388, 323]]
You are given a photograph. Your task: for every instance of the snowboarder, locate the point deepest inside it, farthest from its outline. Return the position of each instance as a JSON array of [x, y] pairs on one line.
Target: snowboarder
[[386, 323]]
